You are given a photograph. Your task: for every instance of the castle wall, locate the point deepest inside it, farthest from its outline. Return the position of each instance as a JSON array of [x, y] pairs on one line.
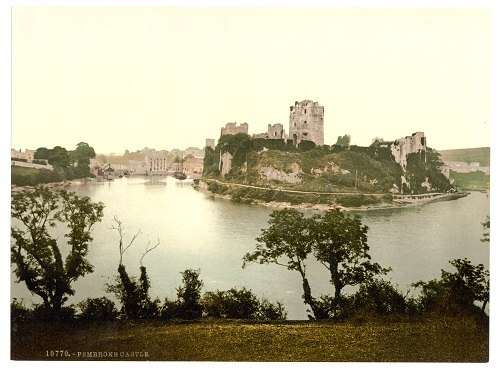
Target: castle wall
[[401, 148], [225, 163], [232, 128], [275, 131], [306, 122]]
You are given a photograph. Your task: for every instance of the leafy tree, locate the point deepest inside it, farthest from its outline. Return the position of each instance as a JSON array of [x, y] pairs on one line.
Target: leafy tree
[[337, 240], [187, 305], [37, 256], [190, 293], [82, 155], [287, 242], [59, 157], [458, 289], [340, 244], [41, 153]]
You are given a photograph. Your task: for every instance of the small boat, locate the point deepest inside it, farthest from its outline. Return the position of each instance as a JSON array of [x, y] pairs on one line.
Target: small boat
[[179, 174]]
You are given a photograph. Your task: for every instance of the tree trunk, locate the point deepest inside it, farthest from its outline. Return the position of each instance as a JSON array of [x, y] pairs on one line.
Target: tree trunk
[[335, 277]]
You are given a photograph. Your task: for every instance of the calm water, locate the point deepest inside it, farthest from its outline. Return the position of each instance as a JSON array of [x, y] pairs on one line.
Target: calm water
[[199, 232]]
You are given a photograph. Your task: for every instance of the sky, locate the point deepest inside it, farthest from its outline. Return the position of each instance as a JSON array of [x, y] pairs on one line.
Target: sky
[[130, 77]]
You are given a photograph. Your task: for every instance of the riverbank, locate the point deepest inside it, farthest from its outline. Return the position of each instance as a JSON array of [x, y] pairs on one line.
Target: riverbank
[[55, 185], [398, 201], [434, 339]]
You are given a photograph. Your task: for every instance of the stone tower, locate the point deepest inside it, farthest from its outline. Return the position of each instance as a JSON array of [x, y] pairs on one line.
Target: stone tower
[[306, 122]]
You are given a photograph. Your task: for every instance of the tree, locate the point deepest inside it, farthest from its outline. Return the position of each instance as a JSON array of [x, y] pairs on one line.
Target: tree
[[187, 305], [337, 241], [133, 293], [287, 242], [340, 244], [82, 155], [37, 256], [190, 293], [460, 289]]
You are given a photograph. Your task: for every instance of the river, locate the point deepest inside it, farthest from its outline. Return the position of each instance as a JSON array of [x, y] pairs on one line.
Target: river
[[198, 231]]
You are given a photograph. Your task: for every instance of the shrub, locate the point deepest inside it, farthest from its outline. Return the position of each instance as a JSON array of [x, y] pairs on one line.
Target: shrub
[[99, 309], [379, 297], [187, 305], [240, 304], [18, 311]]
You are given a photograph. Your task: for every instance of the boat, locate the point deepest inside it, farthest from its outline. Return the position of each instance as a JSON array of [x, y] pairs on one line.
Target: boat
[[180, 174]]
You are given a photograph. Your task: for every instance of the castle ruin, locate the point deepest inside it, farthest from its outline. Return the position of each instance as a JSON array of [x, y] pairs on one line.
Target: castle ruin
[[401, 148], [232, 128], [275, 131], [306, 122]]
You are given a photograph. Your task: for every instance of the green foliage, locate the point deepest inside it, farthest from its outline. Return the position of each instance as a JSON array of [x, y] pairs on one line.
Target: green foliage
[[306, 145], [18, 311], [378, 297], [476, 179], [31, 177], [356, 200], [133, 293], [210, 162], [340, 243], [97, 309], [481, 155], [217, 188], [187, 306], [456, 291], [424, 166], [240, 304], [81, 156], [36, 255], [336, 240]]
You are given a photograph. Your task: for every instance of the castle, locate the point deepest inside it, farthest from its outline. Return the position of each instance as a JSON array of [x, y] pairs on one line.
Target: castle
[[401, 148], [306, 122]]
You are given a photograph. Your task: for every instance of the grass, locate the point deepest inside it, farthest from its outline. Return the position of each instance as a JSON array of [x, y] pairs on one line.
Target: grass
[[476, 179], [450, 339], [18, 170], [481, 155]]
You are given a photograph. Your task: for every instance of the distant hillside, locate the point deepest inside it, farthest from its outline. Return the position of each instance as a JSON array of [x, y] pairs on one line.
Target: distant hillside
[[481, 155]]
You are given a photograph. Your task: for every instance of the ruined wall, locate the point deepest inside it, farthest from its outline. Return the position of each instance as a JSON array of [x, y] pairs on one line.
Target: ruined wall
[[232, 128], [401, 148], [210, 143], [225, 162], [275, 131], [306, 122]]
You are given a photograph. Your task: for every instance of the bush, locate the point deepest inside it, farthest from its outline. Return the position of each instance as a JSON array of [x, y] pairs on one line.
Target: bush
[[187, 305], [240, 304], [18, 311], [379, 297], [43, 313], [99, 309]]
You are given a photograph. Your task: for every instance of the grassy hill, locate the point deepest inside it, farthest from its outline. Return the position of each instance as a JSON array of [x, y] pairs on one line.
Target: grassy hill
[[435, 339], [481, 155], [347, 176]]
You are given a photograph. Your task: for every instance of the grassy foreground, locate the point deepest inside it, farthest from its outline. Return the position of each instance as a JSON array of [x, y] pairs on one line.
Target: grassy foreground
[[439, 339]]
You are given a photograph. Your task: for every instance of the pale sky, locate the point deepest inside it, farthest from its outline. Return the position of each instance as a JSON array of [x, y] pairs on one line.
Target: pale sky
[[126, 78]]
